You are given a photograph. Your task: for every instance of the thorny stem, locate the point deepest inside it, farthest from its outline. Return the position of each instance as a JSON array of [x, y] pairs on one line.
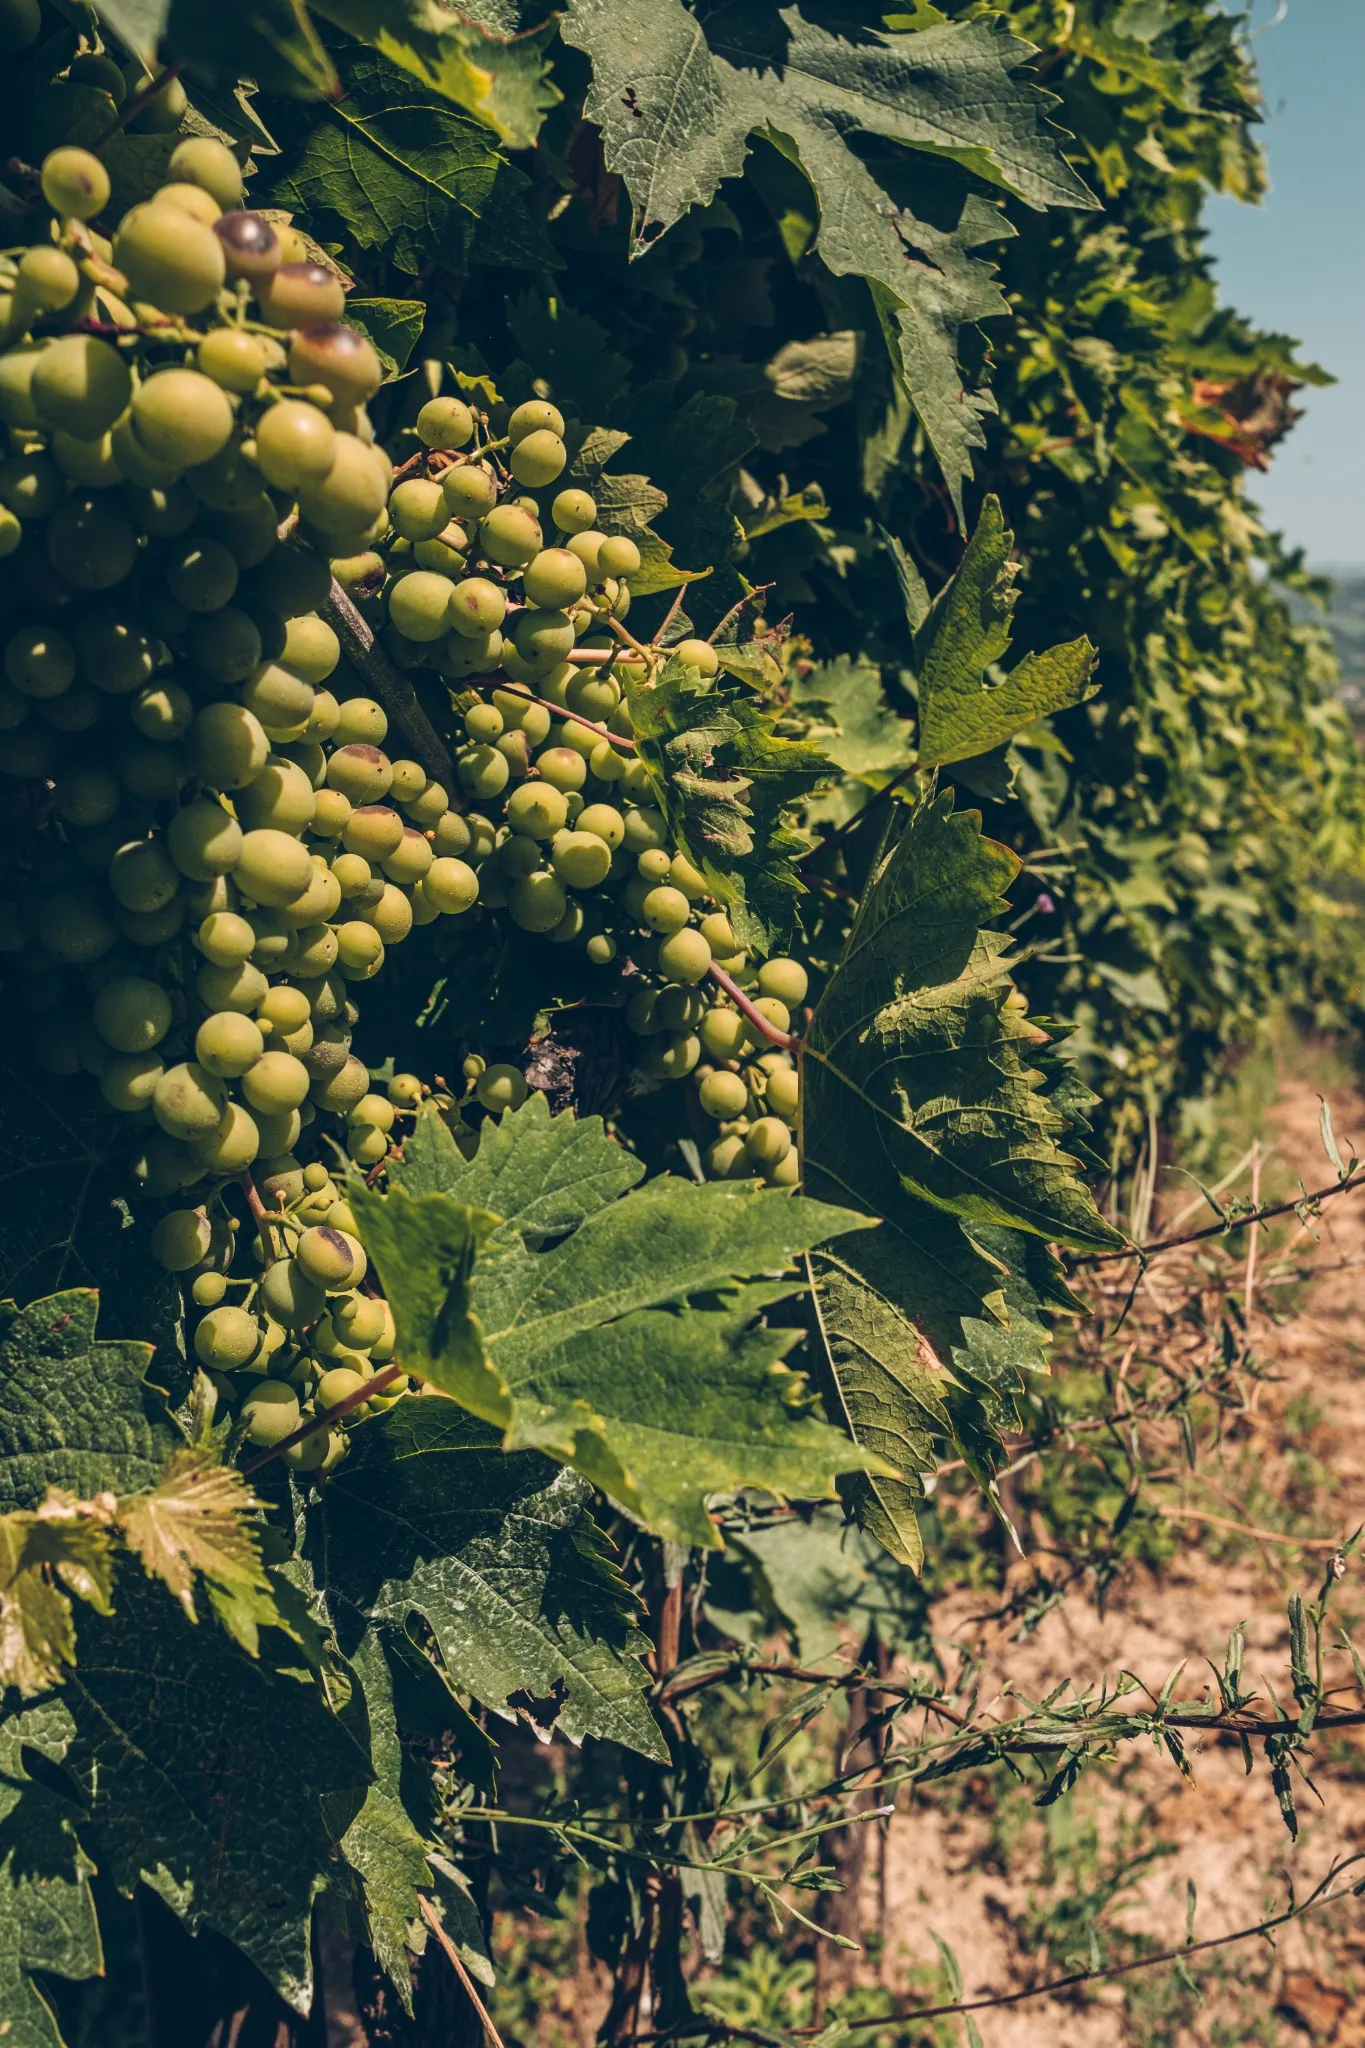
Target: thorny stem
[[786, 1039], [453, 1958], [1170, 1244], [389, 684], [384, 1378]]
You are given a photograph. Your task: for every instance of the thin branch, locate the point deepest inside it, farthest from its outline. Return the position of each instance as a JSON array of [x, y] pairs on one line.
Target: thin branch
[[560, 711], [390, 686], [1170, 1244], [1327, 1543], [841, 832], [453, 1958], [385, 1377], [786, 1039], [134, 106]]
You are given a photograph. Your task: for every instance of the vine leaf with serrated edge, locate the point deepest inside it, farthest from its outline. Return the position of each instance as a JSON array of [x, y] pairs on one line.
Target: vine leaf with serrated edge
[[47, 1910], [677, 104], [965, 632], [723, 778], [921, 1103], [633, 1347], [499, 1556], [503, 81]]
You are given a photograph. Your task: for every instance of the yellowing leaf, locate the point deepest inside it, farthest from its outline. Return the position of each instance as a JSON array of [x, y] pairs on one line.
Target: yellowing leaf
[[46, 1553], [194, 1520]]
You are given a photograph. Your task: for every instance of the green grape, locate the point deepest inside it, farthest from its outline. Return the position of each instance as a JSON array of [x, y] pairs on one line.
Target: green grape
[[141, 878], [596, 697], [280, 796], [643, 828], [537, 902], [445, 422], [680, 1008], [360, 772], [581, 859], [410, 860], [86, 794], [665, 909], [501, 1087], [727, 1159], [562, 768], [11, 533], [182, 418], [276, 1082], [75, 926], [483, 723], [94, 69], [683, 954], [203, 840], [227, 748], [573, 511], [90, 462], [295, 444], [270, 1411], [359, 1320], [331, 1258], [360, 950], [445, 553], [280, 701], [90, 544], [163, 113], [300, 293], [475, 607], [249, 535], [698, 654], [471, 490], [451, 885], [554, 578], [684, 876], [230, 1149], [366, 1145], [533, 416], [130, 1084], [576, 736], [285, 1009], [230, 357], [228, 1043], [315, 952], [605, 822], [272, 868], [170, 260], [81, 385], [336, 1386], [654, 865], [673, 1055], [202, 160], [784, 1093], [31, 486], [162, 711], [767, 1141], [345, 503], [483, 771], [601, 949], [509, 536], [786, 1173], [542, 639], [787, 980], [391, 915], [373, 832], [418, 604], [75, 183], [132, 1014], [538, 459], [418, 509], [723, 1032], [538, 809], [340, 357], [715, 929], [777, 1015], [723, 1094], [225, 647], [331, 810], [201, 575], [618, 556], [292, 579], [287, 1294], [189, 1101], [225, 939], [208, 1289], [405, 1091], [47, 280], [227, 1338], [635, 780], [517, 855], [230, 988]]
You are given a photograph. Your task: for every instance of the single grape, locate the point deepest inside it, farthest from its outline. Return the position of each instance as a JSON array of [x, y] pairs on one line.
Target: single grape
[[360, 950], [132, 1014], [31, 485], [410, 860], [451, 884], [654, 865], [723, 1032], [90, 543], [227, 747], [230, 988], [225, 939], [604, 821], [301, 293], [203, 840], [665, 909], [680, 1008], [581, 859], [359, 1320], [40, 661], [189, 1101], [337, 1386], [483, 771], [170, 260], [182, 417], [75, 183], [295, 444], [418, 605], [784, 1093], [776, 1013], [573, 511], [273, 868], [228, 1043], [445, 422], [163, 113], [643, 827], [280, 700], [535, 415], [509, 536], [767, 1141], [345, 503], [698, 654], [689, 879], [787, 980], [233, 1147], [251, 249], [374, 832], [683, 954], [475, 607], [555, 578], [276, 1082], [538, 809], [594, 697], [340, 357], [542, 639], [201, 575], [227, 1338], [723, 1094], [162, 712], [80, 384], [672, 1055], [290, 1296], [538, 459], [281, 796], [130, 1083], [208, 1289], [391, 915], [471, 490], [225, 648], [537, 902], [562, 768], [618, 556], [270, 1412], [331, 1258], [202, 160], [501, 1087]]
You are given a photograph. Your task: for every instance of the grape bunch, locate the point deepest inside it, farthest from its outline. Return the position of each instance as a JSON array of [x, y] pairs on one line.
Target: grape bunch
[[223, 847]]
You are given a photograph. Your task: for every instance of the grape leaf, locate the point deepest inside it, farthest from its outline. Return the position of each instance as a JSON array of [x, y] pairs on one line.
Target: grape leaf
[[194, 1520], [75, 1413], [966, 631], [627, 503], [45, 1554], [393, 325], [723, 778], [502, 81], [922, 1103], [382, 1845], [586, 1352], [271, 42], [678, 101], [47, 1913], [863, 735], [397, 168], [498, 1555], [179, 1742]]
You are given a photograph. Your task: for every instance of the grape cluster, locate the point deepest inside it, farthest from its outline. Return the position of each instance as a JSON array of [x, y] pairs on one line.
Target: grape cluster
[[225, 847]]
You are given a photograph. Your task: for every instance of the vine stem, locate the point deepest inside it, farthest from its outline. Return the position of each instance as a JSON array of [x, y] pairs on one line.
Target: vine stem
[[841, 832], [786, 1039], [453, 1958], [384, 1378], [560, 711], [134, 106], [389, 684], [1320, 1896], [1170, 1244]]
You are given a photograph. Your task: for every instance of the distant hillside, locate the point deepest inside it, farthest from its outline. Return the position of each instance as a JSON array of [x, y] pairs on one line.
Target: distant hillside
[[1346, 624]]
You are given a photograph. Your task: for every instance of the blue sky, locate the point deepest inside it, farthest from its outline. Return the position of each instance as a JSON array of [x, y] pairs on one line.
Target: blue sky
[[1297, 262]]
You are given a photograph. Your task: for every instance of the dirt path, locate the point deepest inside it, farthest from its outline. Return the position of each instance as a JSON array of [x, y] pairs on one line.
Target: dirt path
[[970, 1873]]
